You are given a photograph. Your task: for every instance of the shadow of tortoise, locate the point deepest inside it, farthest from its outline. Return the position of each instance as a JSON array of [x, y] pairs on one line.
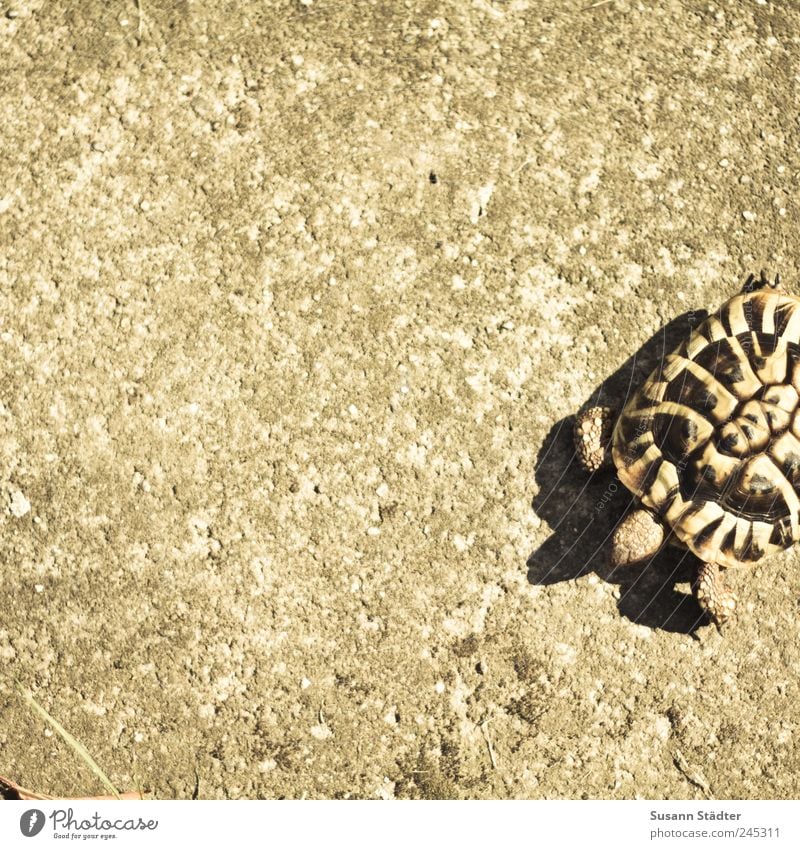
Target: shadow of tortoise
[[582, 509]]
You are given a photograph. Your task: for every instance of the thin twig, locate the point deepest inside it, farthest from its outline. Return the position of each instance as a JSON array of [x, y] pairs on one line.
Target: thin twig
[[9, 789], [140, 16], [489, 746], [691, 775]]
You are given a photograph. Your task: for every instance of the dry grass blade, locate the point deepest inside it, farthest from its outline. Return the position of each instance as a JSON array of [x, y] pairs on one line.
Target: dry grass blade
[[74, 744]]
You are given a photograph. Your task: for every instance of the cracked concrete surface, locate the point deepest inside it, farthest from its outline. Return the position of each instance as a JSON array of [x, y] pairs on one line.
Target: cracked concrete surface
[[295, 301]]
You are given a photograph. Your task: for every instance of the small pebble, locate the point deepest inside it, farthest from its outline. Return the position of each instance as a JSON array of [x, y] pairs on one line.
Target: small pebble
[[20, 506]]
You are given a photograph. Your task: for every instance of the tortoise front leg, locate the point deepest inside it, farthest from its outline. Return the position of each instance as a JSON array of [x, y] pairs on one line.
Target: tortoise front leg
[[592, 437], [712, 595]]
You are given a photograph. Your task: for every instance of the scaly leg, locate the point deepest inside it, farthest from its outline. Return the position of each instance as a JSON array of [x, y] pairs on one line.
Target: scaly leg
[[712, 595], [592, 436], [638, 536]]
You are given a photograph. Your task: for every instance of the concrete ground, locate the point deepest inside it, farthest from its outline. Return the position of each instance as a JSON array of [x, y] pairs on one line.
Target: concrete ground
[[296, 299]]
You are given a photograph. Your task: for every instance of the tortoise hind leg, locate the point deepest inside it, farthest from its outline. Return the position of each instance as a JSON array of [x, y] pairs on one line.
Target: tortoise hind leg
[[712, 595], [592, 437], [638, 536]]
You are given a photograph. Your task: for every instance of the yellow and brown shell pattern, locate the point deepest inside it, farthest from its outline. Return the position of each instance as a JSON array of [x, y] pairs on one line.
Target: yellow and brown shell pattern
[[711, 441]]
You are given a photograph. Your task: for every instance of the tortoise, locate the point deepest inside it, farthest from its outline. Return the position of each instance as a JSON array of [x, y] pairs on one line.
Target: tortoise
[[709, 445]]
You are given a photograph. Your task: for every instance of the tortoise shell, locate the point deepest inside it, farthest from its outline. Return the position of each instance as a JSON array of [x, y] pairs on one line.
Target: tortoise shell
[[711, 441]]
